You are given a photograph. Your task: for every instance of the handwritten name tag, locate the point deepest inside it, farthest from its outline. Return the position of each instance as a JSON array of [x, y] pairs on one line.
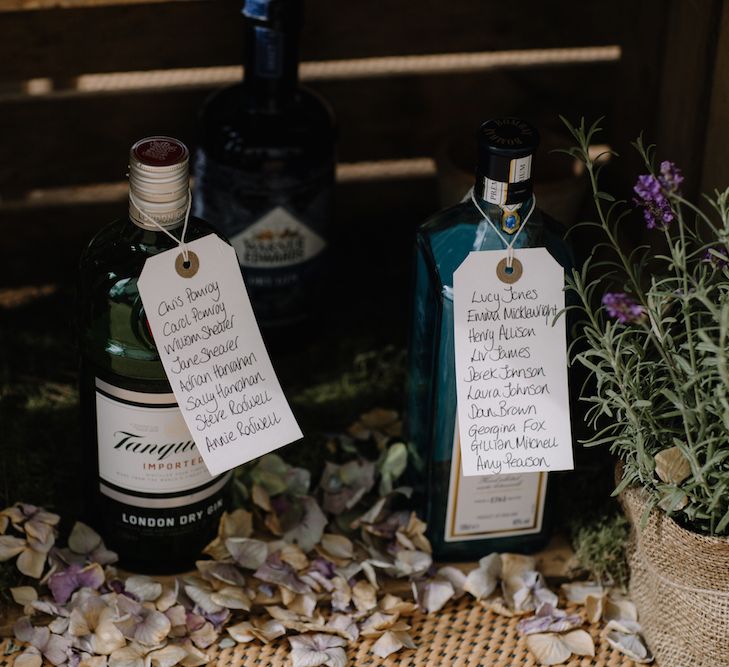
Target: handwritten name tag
[[212, 351], [511, 365]]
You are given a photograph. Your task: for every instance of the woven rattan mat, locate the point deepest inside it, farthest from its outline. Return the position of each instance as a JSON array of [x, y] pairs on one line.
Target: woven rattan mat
[[460, 635]]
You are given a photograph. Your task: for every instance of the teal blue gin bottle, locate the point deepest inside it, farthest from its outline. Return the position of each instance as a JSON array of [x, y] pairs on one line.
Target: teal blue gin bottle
[[469, 517]]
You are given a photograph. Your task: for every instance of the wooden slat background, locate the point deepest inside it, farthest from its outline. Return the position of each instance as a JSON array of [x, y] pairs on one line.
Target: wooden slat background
[[84, 137], [193, 33], [67, 137]]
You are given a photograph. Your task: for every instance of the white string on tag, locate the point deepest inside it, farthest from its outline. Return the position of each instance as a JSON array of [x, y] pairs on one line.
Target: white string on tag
[[181, 240], [508, 244]]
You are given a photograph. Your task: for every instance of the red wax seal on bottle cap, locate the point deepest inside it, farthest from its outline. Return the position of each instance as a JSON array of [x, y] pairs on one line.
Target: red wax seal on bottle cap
[[160, 151]]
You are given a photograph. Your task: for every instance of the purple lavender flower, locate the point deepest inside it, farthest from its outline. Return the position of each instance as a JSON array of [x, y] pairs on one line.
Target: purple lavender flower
[[652, 194], [719, 260], [671, 176], [625, 309]]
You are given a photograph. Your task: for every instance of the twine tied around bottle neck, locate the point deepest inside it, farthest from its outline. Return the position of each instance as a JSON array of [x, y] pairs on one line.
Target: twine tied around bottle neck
[[181, 241], [509, 245]]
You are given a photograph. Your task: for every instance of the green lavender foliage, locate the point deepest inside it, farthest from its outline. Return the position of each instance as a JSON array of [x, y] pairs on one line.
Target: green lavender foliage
[[661, 380]]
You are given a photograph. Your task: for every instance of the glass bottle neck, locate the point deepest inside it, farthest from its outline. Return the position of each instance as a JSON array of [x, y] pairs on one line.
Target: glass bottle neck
[[271, 62], [510, 220]]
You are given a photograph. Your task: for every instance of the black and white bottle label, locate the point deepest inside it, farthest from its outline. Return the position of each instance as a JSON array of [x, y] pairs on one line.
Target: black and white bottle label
[[277, 239], [492, 506], [147, 457]]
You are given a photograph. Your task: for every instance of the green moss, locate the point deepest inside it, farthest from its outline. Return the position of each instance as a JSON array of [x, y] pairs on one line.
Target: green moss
[[600, 547]]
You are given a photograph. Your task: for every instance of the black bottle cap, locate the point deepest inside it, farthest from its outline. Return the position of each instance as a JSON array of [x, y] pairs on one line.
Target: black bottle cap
[[505, 150]]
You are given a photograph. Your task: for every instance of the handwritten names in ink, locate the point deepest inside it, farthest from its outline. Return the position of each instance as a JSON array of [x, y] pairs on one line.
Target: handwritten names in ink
[[214, 356], [511, 366]]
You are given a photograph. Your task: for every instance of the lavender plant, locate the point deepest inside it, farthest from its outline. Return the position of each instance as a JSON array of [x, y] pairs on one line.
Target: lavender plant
[[657, 347]]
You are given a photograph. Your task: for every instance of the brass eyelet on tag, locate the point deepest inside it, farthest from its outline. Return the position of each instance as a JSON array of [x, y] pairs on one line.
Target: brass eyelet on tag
[[187, 269], [506, 276]]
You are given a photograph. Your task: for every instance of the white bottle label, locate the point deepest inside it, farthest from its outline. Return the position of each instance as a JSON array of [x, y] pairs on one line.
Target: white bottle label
[[276, 240], [492, 506], [147, 457]]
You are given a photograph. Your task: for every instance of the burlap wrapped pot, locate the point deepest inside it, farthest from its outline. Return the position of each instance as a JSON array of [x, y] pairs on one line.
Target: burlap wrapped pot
[[679, 581]]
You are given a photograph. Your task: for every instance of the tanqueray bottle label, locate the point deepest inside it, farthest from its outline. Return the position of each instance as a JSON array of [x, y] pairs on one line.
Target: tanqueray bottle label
[[148, 462], [491, 506]]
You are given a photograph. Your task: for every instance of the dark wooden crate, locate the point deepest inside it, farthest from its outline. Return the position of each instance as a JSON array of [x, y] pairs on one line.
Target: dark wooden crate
[[402, 76]]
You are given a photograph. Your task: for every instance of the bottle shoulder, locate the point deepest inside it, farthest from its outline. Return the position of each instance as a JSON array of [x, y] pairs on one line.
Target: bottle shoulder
[[447, 238], [232, 120]]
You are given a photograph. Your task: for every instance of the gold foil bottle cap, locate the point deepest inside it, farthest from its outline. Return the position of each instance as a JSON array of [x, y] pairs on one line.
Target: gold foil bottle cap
[[159, 181]]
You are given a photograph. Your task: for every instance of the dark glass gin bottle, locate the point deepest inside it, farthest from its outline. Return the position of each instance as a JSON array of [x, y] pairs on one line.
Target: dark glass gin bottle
[[150, 495], [469, 517], [265, 167]]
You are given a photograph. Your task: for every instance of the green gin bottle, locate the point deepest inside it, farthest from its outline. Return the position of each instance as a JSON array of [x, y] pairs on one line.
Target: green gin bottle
[[467, 516], [149, 493]]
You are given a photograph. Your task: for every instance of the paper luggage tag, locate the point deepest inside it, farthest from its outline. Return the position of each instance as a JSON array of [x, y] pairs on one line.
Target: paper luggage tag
[[212, 351], [511, 364]]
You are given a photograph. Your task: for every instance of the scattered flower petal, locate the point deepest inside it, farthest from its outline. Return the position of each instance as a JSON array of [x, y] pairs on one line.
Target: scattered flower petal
[[555, 649], [391, 642], [313, 650]]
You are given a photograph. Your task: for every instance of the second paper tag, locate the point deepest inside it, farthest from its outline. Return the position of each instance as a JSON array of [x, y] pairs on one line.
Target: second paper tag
[[212, 351], [511, 365]]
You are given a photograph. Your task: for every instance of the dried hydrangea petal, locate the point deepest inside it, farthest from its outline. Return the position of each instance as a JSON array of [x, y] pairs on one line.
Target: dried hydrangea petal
[[312, 650], [344, 626], [594, 607], [364, 596], [457, 578], [393, 604], [432, 594], [195, 657], [578, 591], [555, 649], [56, 649], [549, 619], [628, 643], [203, 599], [294, 556], [64, 583], [344, 485], [129, 656], [309, 530], [275, 571], [145, 589], [107, 638], [177, 615], [168, 656], [412, 563], [672, 467], [93, 661], [482, 580], [153, 629], [377, 623], [528, 592], [31, 562], [303, 604], [338, 546], [24, 596], [83, 539], [620, 609], [238, 523], [204, 636], [231, 597], [265, 631], [31, 657], [391, 642], [249, 553]]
